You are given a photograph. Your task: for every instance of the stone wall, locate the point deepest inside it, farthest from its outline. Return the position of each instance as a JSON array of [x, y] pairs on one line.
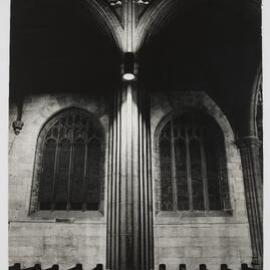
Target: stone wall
[[59, 237], [50, 243], [202, 238], [70, 238]]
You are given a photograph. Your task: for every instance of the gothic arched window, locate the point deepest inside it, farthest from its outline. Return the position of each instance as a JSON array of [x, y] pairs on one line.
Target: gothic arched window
[[193, 164], [70, 162]]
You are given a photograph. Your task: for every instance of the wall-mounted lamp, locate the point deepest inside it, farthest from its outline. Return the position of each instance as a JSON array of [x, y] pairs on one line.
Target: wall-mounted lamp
[[128, 73], [18, 123], [17, 126]]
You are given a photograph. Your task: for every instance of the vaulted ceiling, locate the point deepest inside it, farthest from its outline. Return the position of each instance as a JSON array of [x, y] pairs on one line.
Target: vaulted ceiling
[[208, 46], [56, 46], [214, 46]]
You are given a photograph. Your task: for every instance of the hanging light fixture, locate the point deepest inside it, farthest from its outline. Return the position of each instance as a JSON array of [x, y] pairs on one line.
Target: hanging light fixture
[[128, 73]]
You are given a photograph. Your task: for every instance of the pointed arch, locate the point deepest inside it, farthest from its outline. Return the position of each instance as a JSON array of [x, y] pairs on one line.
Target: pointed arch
[[156, 16], [69, 163], [254, 101], [161, 12], [180, 102], [107, 21], [191, 146]]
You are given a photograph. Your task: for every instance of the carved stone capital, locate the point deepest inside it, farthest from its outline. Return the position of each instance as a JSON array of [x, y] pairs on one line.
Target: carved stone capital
[[116, 3], [249, 141], [143, 2]]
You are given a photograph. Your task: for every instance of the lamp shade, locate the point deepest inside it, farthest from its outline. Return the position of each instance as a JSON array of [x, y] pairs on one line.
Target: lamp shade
[[128, 67]]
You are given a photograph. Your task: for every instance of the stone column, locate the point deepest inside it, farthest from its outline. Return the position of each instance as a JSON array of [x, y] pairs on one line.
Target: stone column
[[129, 215], [249, 148]]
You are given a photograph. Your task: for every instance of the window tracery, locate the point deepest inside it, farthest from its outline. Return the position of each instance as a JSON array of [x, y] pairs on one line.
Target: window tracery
[[71, 160], [193, 165]]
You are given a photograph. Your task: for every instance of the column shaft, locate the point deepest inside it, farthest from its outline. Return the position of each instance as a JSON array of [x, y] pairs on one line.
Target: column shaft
[[249, 148], [130, 233]]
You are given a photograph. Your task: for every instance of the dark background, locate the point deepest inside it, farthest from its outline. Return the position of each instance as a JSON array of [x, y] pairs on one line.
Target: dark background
[[215, 46]]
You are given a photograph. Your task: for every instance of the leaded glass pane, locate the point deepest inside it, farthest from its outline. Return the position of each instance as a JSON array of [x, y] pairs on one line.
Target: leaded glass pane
[[196, 175], [212, 175], [223, 179], [181, 175], [72, 162], [61, 182], [93, 174], [166, 170], [199, 170], [45, 188], [77, 194]]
